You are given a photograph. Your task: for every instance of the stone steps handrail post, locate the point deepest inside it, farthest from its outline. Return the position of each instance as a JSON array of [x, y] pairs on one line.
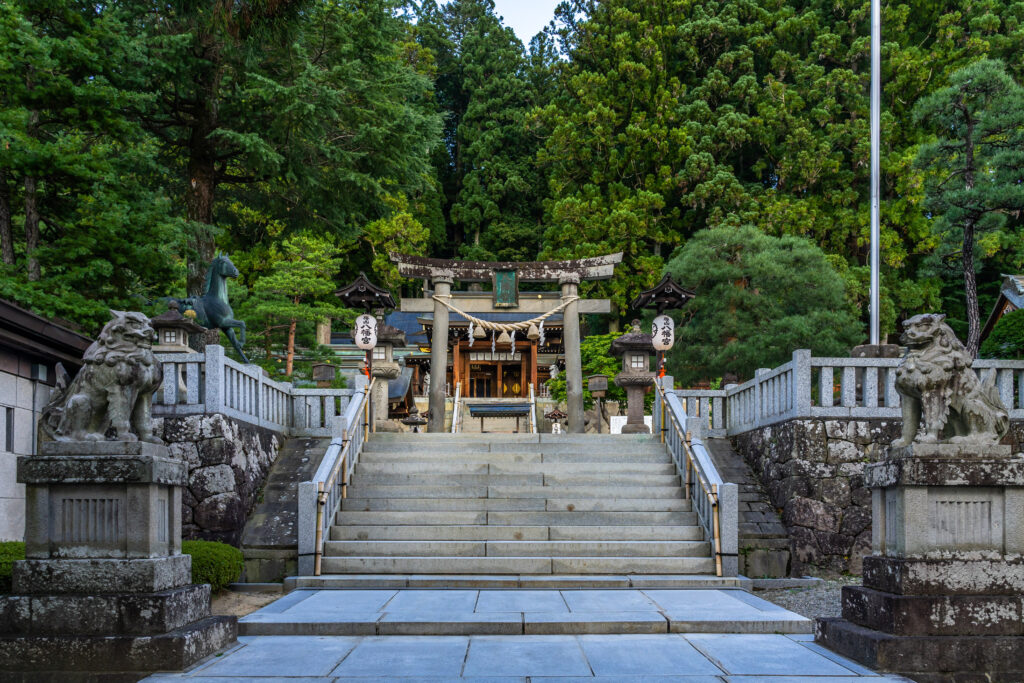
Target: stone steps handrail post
[[315, 511], [715, 501]]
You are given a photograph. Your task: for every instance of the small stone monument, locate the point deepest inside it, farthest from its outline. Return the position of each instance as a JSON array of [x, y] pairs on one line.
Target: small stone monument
[[941, 600], [104, 589], [635, 349]]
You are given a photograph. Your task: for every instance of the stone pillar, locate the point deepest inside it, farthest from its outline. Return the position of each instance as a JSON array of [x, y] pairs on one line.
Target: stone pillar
[[941, 600], [104, 587], [573, 363], [439, 357]]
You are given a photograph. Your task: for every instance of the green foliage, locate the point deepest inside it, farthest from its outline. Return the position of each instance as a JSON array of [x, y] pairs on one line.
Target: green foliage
[[758, 298], [973, 169], [1007, 338], [217, 564], [596, 359], [9, 552], [84, 220]]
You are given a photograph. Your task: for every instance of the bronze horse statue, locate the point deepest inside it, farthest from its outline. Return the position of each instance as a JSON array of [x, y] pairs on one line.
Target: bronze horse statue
[[212, 308]]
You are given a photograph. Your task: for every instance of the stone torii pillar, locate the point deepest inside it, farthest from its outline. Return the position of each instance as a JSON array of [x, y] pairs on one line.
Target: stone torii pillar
[[573, 362], [439, 356]]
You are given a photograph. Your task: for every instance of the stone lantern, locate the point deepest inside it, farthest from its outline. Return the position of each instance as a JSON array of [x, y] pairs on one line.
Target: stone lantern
[[172, 334], [385, 369], [173, 329], [635, 349]]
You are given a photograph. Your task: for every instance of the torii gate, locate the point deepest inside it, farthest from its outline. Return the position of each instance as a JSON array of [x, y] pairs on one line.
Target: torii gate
[[442, 273]]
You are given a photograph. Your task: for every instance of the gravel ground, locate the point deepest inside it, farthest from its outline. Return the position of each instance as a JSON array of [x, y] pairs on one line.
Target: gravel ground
[[821, 601], [230, 603]]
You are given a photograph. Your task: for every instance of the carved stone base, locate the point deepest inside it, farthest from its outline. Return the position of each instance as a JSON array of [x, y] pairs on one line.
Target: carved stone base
[[70, 658], [105, 593], [927, 659], [636, 429], [941, 600]]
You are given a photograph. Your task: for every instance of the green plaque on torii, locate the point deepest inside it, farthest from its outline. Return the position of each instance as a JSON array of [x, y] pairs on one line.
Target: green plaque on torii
[[506, 289]]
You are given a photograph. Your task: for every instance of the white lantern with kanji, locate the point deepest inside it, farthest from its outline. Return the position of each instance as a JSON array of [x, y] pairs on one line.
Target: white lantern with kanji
[[663, 333], [366, 331]]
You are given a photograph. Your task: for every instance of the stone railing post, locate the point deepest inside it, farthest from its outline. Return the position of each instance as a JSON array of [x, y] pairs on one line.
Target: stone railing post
[[728, 521], [757, 399], [802, 383], [214, 379]]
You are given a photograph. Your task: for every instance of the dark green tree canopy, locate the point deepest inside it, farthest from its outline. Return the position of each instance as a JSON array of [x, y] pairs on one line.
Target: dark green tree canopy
[[758, 298]]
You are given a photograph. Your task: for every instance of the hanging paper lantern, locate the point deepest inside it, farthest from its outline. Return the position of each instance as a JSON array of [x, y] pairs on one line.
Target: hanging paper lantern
[[663, 333], [366, 331], [533, 334]]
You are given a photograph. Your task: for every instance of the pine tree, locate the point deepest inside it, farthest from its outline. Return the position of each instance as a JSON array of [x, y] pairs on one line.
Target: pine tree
[[758, 298], [300, 286], [974, 167]]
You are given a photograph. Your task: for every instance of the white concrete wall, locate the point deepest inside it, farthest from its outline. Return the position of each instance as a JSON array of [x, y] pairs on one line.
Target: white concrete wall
[[16, 393]]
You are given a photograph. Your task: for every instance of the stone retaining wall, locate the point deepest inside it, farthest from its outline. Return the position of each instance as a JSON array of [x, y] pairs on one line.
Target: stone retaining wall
[[813, 470], [228, 463]]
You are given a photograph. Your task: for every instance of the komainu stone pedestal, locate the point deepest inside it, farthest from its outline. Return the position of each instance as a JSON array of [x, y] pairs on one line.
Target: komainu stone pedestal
[[104, 593], [943, 593]]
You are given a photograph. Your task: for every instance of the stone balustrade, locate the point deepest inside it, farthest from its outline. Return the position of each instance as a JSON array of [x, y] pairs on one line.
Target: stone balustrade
[[210, 383], [810, 387]]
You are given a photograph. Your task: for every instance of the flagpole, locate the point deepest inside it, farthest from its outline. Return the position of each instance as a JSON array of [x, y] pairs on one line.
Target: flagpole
[[876, 125]]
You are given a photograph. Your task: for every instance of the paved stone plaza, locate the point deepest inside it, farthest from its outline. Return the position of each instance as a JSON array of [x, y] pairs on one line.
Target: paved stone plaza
[[692, 658]]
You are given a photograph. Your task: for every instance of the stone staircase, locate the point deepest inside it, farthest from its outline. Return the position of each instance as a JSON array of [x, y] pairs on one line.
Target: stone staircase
[[516, 504]]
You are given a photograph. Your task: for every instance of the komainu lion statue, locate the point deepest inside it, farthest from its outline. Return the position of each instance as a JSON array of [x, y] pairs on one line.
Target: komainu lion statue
[[111, 397], [935, 381]]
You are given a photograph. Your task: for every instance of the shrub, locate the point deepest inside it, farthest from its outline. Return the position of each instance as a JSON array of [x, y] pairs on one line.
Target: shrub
[[1007, 338], [9, 552], [217, 564]]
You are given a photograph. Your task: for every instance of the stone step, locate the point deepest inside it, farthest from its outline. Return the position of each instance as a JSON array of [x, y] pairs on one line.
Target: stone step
[[513, 448], [569, 479], [529, 581], [565, 519], [519, 504], [448, 437], [624, 549], [494, 532], [360, 490], [328, 610], [580, 458], [439, 467], [518, 565]]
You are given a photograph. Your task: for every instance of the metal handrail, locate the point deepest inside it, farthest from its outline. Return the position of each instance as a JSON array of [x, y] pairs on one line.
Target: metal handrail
[[455, 408], [676, 434], [533, 411], [331, 491]]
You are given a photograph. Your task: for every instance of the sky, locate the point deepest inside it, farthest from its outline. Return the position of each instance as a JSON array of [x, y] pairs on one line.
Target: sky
[[526, 17]]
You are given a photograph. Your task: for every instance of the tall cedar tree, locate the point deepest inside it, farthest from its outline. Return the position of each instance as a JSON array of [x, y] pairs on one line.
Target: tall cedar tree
[[975, 168], [485, 89], [76, 170], [673, 116]]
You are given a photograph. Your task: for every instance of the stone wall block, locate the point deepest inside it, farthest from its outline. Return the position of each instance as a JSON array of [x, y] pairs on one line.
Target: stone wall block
[[841, 451], [835, 491], [814, 514], [809, 441], [214, 426], [782, 490], [220, 512], [855, 520], [208, 481], [214, 451]]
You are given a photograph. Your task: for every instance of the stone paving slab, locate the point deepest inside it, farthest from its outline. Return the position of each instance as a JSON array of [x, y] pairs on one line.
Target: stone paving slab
[[508, 612], [692, 658]]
